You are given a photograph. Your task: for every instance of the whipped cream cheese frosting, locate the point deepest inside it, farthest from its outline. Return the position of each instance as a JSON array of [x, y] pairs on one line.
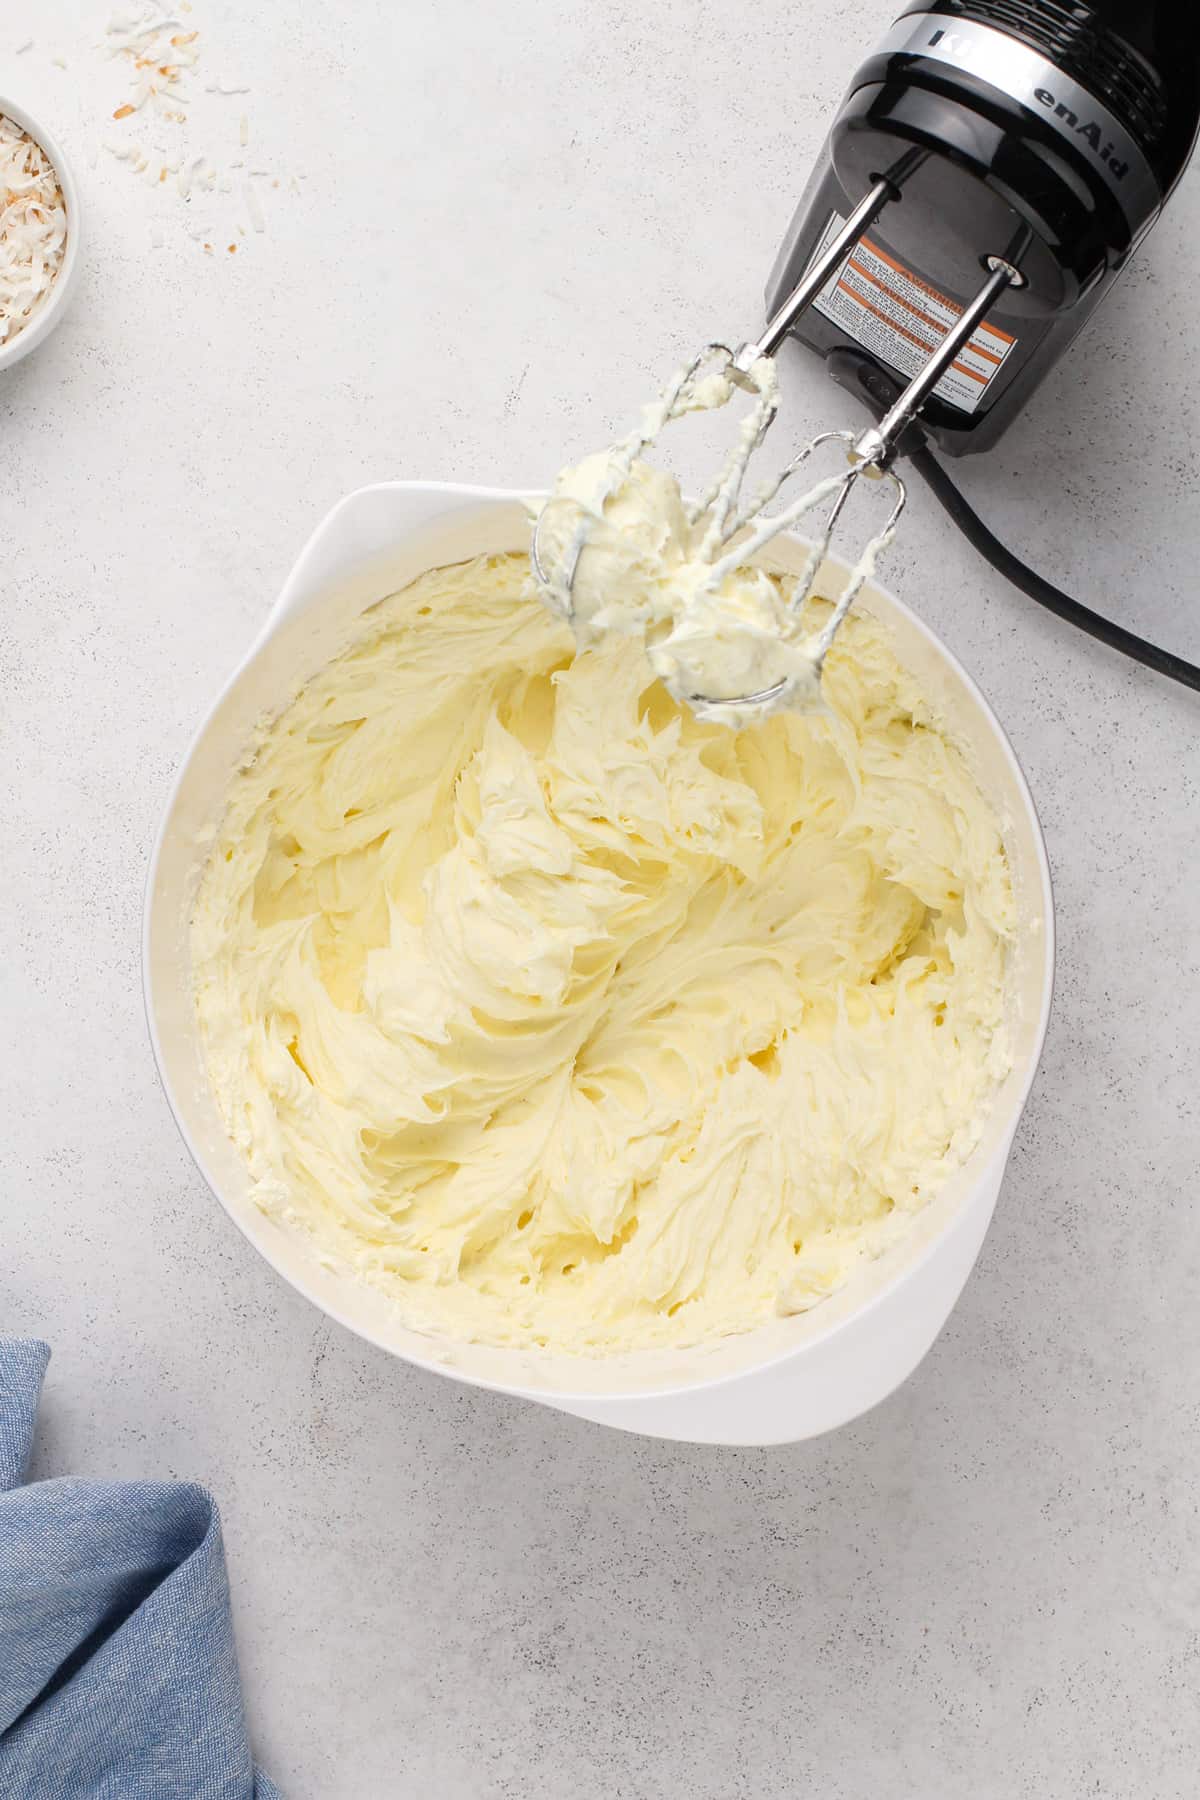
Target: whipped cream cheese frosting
[[622, 554], [567, 1018]]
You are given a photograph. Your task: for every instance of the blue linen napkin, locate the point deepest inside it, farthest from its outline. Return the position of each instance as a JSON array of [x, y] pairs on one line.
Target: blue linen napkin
[[118, 1673]]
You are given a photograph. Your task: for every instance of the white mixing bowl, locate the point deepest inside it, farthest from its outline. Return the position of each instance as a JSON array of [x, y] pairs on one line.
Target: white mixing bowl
[[793, 1377]]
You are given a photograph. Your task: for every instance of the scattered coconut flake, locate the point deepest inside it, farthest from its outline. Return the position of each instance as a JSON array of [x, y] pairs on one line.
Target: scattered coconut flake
[[190, 174], [22, 48], [253, 207], [162, 50], [159, 52], [33, 228], [59, 62]]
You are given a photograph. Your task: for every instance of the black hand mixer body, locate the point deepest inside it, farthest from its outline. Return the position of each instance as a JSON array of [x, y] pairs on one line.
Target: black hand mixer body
[[1047, 133]]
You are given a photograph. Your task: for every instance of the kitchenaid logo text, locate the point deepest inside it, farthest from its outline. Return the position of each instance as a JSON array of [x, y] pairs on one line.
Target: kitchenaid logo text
[[951, 42], [1086, 129]]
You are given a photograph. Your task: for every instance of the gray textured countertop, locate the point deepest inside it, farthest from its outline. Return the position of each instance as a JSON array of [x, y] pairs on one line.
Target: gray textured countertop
[[512, 220]]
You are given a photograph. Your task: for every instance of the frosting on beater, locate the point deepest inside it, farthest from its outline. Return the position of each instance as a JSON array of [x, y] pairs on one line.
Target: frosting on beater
[[620, 552]]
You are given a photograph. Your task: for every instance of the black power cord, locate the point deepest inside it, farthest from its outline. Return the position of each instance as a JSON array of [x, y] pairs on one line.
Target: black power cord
[[977, 534], [878, 390]]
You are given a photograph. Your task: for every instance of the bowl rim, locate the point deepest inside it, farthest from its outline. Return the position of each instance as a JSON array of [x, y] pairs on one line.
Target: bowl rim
[[591, 1396], [51, 311]]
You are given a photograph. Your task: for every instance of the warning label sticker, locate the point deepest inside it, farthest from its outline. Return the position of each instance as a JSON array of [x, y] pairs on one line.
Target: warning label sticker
[[901, 319]]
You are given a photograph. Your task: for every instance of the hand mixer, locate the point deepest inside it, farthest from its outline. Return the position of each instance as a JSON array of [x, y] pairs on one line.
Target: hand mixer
[[992, 168]]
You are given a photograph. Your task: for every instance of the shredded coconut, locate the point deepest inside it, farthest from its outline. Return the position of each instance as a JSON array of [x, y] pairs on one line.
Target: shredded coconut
[[162, 50], [33, 228], [161, 53], [253, 206]]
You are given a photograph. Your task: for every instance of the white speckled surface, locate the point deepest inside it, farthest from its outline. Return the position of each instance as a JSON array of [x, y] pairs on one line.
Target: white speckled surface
[[987, 1586]]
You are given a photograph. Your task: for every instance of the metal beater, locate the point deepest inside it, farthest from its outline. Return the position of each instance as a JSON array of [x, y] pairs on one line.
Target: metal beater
[[720, 518]]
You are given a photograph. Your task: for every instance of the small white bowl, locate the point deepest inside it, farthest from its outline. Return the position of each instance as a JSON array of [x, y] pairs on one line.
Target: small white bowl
[[57, 300]]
